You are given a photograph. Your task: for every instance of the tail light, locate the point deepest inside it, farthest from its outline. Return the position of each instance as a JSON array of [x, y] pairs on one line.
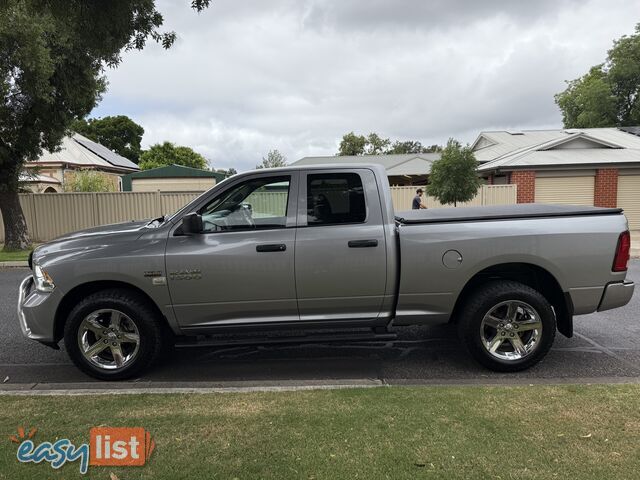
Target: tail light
[[622, 252]]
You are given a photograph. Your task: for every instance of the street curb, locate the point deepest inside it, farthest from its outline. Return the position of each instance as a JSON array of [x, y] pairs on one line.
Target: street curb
[[108, 388], [19, 264]]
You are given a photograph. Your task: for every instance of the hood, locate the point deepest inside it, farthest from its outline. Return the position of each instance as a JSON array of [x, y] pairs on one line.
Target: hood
[[126, 227], [86, 242]]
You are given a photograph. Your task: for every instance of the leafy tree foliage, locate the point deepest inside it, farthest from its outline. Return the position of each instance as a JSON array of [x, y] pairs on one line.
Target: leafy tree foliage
[[609, 94], [373, 144], [52, 58], [163, 154], [453, 178], [89, 181], [412, 147], [274, 159], [119, 133]]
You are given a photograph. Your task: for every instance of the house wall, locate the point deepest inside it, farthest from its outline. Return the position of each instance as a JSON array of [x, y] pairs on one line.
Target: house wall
[[606, 188], [526, 184], [197, 184]]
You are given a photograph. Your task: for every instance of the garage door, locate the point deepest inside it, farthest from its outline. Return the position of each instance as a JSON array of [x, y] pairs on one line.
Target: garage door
[[629, 199], [566, 190]]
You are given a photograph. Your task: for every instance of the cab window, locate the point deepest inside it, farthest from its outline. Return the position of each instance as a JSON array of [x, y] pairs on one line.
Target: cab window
[[259, 203], [334, 198]]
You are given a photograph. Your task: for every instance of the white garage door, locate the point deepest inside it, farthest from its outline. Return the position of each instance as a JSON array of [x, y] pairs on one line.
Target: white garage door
[[629, 199], [566, 190]]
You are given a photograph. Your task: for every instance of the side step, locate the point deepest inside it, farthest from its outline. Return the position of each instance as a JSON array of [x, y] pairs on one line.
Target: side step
[[234, 341]]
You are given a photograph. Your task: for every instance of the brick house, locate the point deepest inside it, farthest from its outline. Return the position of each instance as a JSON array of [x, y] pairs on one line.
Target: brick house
[[591, 166]]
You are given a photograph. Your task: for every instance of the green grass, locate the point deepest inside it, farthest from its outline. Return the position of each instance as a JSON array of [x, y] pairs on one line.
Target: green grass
[[586, 432], [13, 255]]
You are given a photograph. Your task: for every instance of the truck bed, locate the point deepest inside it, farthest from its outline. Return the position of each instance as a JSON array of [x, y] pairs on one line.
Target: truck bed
[[499, 212]]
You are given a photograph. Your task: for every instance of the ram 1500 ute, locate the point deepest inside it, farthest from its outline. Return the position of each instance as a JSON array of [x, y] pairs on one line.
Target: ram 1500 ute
[[321, 249]]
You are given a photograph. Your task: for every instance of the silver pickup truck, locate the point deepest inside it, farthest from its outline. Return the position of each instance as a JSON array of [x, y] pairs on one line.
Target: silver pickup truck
[[320, 249]]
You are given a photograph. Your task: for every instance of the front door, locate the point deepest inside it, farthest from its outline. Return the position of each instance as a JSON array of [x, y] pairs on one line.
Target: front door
[[341, 262], [240, 269]]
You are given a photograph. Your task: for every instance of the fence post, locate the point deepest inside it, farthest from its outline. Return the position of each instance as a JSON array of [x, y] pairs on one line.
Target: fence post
[[158, 203], [34, 220], [96, 209]]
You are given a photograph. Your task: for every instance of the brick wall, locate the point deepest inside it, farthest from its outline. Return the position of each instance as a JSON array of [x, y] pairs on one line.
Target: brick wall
[[526, 182], [606, 188]]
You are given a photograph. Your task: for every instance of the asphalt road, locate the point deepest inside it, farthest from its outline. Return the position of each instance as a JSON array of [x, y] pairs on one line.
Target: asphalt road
[[605, 347]]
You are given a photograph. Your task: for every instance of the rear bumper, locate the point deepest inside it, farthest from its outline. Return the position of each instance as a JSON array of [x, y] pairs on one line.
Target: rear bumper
[[36, 312], [616, 295]]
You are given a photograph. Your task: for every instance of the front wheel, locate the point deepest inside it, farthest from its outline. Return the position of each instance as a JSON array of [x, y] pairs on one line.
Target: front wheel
[[507, 326], [113, 335]]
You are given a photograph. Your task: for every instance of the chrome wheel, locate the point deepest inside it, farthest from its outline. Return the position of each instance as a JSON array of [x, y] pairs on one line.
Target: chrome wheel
[[511, 330], [108, 339]]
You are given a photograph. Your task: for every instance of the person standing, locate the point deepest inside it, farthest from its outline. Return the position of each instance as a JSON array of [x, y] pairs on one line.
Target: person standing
[[417, 201]]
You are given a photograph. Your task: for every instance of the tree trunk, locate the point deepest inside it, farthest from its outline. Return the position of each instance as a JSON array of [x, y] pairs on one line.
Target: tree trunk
[[16, 235]]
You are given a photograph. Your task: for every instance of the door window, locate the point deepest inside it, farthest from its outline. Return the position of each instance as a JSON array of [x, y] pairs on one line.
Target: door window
[[255, 204], [334, 198]]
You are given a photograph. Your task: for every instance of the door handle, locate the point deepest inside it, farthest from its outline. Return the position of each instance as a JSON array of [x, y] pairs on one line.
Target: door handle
[[271, 247], [362, 243]]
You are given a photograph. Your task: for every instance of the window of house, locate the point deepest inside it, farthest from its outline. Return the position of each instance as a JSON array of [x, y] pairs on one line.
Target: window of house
[[334, 198]]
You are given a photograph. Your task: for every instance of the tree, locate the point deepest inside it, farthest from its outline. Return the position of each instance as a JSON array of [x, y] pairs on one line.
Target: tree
[[376, 145], [52, 59], [163, 154], [411, 146], [609, 94], [453, 177], [89, 181], [352, 144], [119, 133], [373, 144], [232, 171], [274, 160]]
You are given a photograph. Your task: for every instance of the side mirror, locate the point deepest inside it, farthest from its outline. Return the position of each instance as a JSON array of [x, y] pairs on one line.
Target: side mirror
[[192, 224]]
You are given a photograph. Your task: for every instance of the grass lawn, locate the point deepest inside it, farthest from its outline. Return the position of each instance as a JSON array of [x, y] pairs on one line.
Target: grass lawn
[[13, 255], [586, 432]]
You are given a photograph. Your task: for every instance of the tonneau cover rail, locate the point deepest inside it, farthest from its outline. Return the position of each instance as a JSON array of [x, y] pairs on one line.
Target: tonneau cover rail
[[499, 212]]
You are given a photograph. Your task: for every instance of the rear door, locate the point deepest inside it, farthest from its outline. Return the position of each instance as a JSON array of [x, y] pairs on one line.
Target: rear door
[[340, 261]]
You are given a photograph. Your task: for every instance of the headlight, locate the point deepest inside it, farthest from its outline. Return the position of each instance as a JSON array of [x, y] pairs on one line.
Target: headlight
[[44, 283]]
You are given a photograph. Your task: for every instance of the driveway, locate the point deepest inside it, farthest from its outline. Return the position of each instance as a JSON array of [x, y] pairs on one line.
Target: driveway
[[605, 347]]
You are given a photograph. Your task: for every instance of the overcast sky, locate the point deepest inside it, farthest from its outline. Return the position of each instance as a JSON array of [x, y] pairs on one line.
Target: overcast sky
[[248, 76]]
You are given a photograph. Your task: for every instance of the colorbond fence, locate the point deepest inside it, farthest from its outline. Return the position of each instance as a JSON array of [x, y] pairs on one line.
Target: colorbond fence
[[487, 195], [50, 215]]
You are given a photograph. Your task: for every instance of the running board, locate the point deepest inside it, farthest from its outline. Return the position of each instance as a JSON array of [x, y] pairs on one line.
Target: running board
[[212, 341]]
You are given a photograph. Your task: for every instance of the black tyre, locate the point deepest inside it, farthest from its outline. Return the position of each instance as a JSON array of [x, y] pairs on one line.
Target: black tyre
[[114, 334], [507, 326]]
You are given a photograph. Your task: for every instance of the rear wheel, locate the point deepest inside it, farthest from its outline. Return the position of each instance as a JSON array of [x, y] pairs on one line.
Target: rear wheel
[[507, 326], [113, 335]]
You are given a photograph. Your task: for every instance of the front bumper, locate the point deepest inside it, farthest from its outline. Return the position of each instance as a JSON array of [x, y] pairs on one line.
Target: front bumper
[[36, 312], [616, 295]]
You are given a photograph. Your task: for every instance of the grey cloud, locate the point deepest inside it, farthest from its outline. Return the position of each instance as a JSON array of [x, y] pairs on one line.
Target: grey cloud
[[245, 77]]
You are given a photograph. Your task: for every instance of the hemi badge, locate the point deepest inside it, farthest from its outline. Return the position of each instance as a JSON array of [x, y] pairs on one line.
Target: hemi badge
[[153, 273], [159, 281]]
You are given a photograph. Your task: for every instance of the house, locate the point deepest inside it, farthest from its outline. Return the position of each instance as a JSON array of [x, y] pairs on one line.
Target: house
[[590, 166], [172, 178], [50, 172], [402, 169]]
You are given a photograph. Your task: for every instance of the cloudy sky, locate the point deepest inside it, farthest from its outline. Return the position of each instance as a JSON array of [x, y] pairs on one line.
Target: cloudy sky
[[248, 76]]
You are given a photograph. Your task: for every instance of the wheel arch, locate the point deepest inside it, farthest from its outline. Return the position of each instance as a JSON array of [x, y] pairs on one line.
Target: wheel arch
[[528, 274], [74, 295]]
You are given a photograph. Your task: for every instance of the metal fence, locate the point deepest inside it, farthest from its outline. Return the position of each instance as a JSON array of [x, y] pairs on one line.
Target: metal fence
[[50, 215], [487, 195]]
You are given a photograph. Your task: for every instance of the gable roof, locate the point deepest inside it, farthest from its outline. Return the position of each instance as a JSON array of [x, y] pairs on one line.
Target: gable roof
[[79, 151], [557, 148], [395, 164]]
